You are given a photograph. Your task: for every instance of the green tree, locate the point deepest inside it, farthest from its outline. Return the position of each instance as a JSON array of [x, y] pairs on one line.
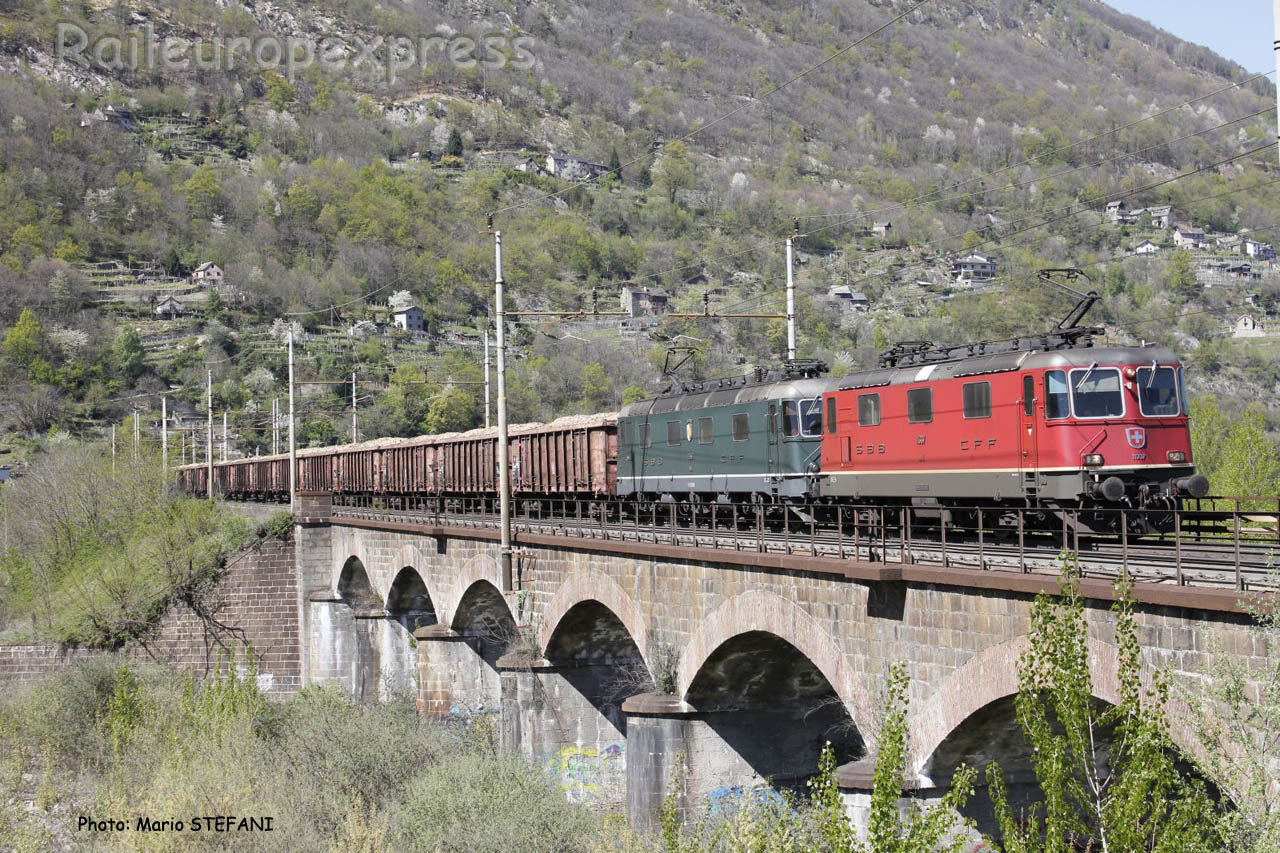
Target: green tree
[[1209, 427], [69, 250], [888, 830], [452, 410], [1240, 734], [1249, 461], [454, 147], [634, 394], [25, 341], [127, 353], [203, 191], [1134, 800], [675, 170], [318, 432], [1179, 276], [597, 390], [615, 163], [280, 92]]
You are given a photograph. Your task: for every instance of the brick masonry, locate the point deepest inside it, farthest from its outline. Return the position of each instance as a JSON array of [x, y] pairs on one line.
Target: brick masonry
[[255, 603], [960, 644]]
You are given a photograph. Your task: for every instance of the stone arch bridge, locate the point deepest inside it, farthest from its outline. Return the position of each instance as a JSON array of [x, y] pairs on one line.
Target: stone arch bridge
[[620, 666]]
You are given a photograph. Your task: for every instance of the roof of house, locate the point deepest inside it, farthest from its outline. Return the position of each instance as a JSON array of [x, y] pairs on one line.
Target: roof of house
[[405, 309], [207, 265]]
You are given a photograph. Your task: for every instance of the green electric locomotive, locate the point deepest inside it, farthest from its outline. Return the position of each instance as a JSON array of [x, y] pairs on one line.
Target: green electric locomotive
[[755, 437]]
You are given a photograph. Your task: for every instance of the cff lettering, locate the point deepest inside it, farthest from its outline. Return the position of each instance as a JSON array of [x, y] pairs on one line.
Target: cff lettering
[[231, 823]]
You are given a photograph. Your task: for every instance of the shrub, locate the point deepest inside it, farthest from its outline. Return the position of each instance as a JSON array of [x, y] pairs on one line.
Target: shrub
[[488, 803]]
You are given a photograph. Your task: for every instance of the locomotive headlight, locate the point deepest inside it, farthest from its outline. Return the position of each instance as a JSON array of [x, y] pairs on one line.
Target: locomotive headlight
[[1093, 460], [1176, 456]]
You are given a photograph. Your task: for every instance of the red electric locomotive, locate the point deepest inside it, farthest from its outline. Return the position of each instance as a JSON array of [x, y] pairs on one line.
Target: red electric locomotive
[[1048, 421]]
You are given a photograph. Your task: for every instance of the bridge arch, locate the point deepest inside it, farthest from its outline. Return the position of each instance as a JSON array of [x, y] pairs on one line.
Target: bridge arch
[[586, 586], [354, 585], [971, 718], [482, 612], [482, 568], [767, 612], [986, 678], [760, 663], [992, 675], [411, 554], [409, 600]]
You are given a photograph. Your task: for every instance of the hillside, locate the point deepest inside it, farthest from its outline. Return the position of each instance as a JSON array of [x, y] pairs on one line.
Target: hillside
[[322, 188]]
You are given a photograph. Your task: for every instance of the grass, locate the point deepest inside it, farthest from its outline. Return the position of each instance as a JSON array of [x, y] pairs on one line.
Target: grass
[[99, 553], [333, 774]]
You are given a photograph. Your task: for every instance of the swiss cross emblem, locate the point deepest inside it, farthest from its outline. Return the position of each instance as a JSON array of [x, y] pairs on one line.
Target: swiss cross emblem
[[1137, 437]]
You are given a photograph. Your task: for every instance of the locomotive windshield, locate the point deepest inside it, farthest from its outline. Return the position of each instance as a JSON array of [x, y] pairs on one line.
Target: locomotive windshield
[[1095, 393], [802, 417], [811, 416], [790, 418], [1055, 395], [1158, 391]]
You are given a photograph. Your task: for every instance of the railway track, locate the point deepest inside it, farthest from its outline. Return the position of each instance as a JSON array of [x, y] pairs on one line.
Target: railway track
[[1212, 555]]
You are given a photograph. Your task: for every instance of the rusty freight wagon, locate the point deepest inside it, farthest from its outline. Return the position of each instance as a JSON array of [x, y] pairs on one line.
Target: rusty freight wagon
[[571, 456]]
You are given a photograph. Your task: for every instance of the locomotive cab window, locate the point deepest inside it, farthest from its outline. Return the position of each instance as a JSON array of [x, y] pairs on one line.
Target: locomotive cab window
[[674, 430], [741, 426], [622, 433], [645, 439], [920, 405], [706, 431], [1182, 394], [831, 415], [977, 399], [811, 417], [868, 410], [1158, 392], [790, 418], [1028, 395], [1055, 395], [1095, 393]]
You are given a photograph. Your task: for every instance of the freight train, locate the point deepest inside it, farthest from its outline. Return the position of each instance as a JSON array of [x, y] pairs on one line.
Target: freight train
[[1047, 423]]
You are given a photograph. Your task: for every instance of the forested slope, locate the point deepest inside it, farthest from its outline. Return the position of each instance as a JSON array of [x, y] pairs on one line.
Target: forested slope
[[1001, 126]]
